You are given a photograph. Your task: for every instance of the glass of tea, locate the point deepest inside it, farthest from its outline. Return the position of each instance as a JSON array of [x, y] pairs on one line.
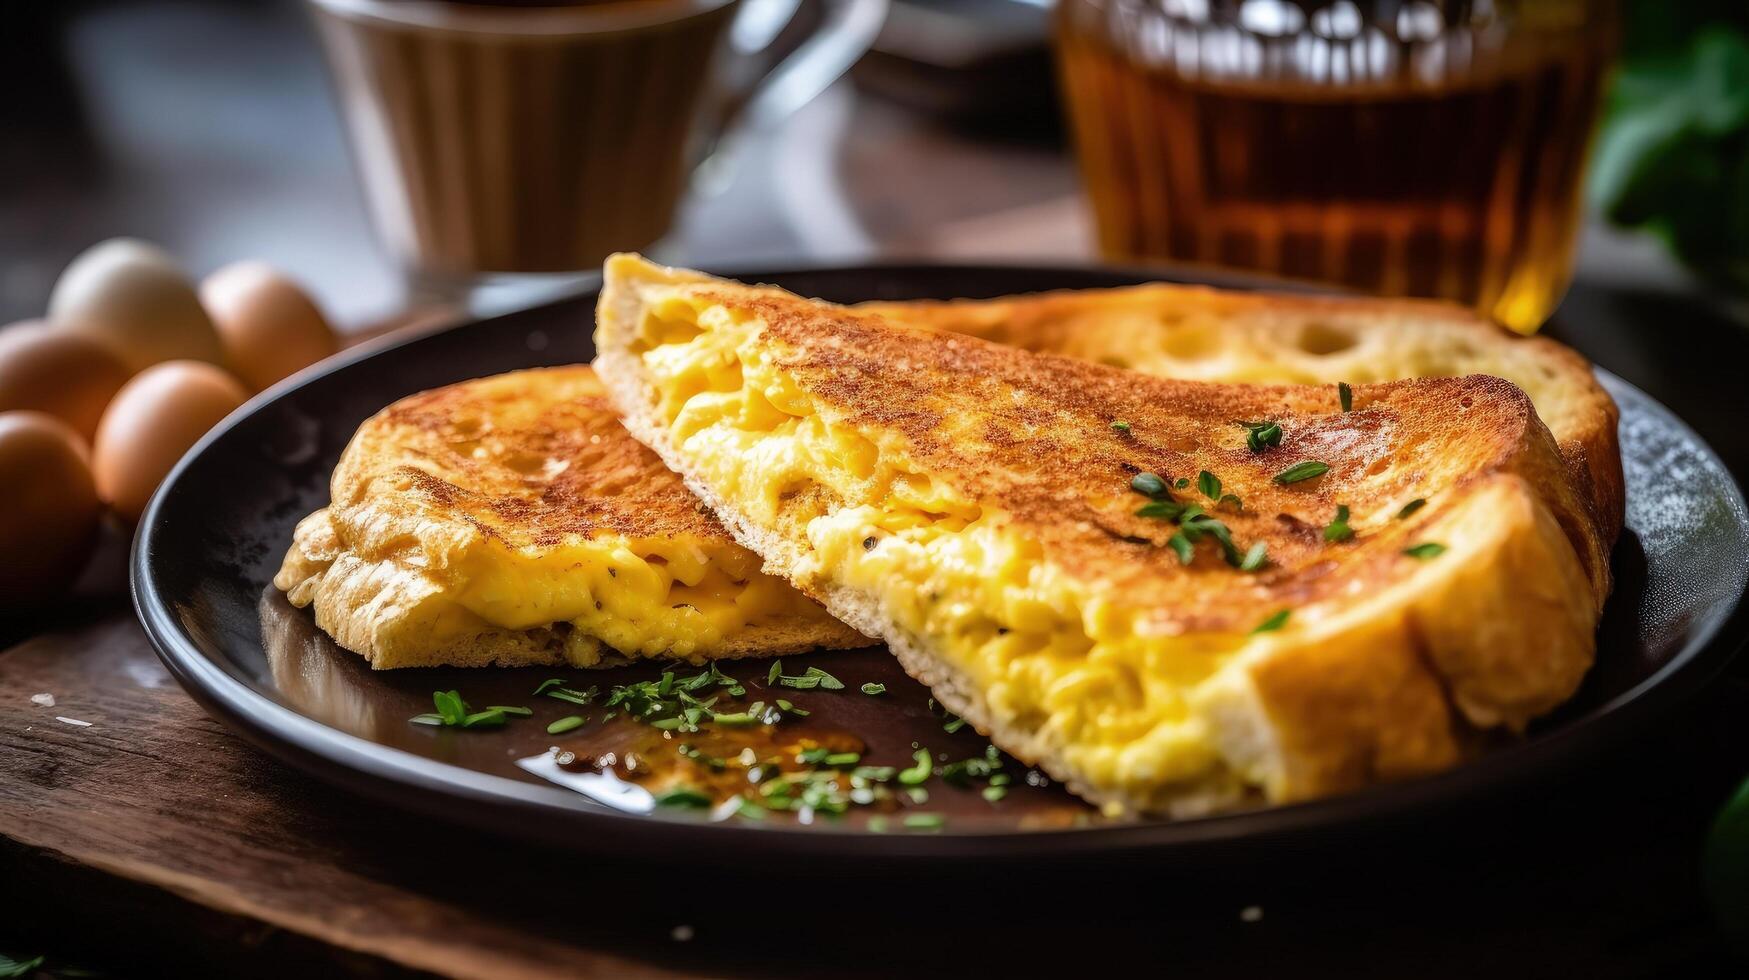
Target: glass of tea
[[1401, 147], [504, 140]]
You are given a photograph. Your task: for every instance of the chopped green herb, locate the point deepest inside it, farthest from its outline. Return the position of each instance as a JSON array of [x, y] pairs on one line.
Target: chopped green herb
[[549, 684], [1166, 510], [511, 710], [1425, 550], [1209, 484], [451, 706], [790, 709], [776, 670], [918, 773], [1255, 558], [565, 724], [681, 796], [1411, 507], [1230, 498], [573, 697], [924, 821], [427, 719], [1182, 546], [1338, 529], [1121, 427], [1148, 484], [1182, 482], [10, 967], [1305, 469], [490, 718], [953, 724], [814, 677], [1345, 395], [1261, 435], [871, 688], [1273, 623], [837, 759], [994, 793]]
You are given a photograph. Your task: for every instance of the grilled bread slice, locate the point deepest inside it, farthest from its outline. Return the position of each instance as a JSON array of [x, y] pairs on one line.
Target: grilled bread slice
[[974, 505], [1201, 334], [511, 520]]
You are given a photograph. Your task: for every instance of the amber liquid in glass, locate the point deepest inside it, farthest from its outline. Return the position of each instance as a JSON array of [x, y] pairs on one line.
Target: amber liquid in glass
[[1464, 187]]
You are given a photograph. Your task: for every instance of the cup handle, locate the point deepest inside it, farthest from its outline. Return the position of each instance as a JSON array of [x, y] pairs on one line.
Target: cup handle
[[785, 80]]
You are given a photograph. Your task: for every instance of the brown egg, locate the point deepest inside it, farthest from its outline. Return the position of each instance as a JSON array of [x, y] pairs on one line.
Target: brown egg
[[58, 372], [134, 297], [48, 508], [269, 326], [153, 420]]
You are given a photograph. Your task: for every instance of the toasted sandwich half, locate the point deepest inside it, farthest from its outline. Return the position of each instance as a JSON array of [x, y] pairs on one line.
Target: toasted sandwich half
[[1200, 334], [1172, 596], [511, 520]]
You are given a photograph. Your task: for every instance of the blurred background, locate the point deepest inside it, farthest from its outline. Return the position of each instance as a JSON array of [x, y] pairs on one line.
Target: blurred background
[[212, 128]]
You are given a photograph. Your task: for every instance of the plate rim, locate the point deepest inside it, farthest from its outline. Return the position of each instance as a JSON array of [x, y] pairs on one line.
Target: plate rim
[[409, 781]]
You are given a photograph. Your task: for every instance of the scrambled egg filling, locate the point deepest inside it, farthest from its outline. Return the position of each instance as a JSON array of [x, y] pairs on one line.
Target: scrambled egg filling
[[642, 598], [1060, 666], [657, 597]]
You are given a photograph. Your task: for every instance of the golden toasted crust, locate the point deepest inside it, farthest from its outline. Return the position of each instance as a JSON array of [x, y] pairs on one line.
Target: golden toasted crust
[[519, 464], [1389, 666], [1202, 334]]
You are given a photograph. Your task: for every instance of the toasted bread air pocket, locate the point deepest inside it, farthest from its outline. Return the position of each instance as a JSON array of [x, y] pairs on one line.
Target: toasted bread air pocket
[[1173, 596]]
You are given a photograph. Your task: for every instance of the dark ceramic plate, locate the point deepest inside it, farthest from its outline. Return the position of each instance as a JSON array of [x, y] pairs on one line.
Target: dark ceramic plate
[[215, 534]]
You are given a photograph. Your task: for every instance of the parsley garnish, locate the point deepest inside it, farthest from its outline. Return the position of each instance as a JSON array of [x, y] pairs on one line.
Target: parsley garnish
[[565, 724], [10, 967], [1261, 435], [453, 712], [918, 774], [1303, 470], [1411, 507], [1121, 427], [1273, 623], [1148, 484], [1183, 481], [925, 821], [1345, 395], [451, 706], [682, 796], [871, 688], [1209, 484], [1193, 524], [813, 677], [1256, 558], [1182, 546], [1338, 529], [1425, 550]]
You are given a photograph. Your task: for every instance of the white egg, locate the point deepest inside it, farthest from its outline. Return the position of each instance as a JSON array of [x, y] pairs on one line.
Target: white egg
[[133, 296], [269, 326]]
